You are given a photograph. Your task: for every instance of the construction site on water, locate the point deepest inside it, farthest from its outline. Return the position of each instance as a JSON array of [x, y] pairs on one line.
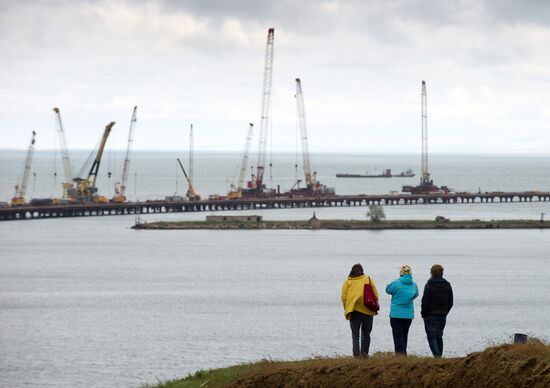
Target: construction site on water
[[82, 189]]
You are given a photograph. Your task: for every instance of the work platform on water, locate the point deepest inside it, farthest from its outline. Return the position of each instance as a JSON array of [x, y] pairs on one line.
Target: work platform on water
[[103, 209]]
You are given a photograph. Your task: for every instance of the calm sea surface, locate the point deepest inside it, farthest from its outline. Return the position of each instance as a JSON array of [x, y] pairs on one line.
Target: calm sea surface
[[90, 302]]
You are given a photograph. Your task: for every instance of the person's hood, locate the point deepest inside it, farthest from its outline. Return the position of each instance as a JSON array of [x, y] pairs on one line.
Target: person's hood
[[406, 279], [356, 277], [438, 282]]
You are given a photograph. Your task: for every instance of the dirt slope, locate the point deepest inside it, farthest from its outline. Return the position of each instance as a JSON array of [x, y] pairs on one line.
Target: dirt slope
[[502, 366]]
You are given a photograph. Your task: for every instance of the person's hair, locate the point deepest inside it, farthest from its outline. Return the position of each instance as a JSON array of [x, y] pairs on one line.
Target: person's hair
[[437, 270], [356, 270], [405, 269]]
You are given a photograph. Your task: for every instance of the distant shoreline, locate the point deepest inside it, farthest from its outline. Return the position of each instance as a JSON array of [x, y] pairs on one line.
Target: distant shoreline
[[314, 224]]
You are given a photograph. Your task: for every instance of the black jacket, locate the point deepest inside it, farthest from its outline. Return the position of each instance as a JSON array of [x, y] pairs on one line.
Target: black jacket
[[437, 298]]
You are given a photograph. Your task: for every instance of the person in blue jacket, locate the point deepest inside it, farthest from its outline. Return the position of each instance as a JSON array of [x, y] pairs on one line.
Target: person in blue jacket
[[403, 291]]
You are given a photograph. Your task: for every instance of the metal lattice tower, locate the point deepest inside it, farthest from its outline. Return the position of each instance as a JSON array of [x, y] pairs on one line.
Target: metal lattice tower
[[303, 131], [244, 161], [425, 172], [121, 190], [191, 151], [67, 168], [266, 104], [21, 189]]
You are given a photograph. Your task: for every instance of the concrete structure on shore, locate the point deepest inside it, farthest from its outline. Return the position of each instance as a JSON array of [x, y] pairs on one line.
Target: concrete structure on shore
[[234, 218]]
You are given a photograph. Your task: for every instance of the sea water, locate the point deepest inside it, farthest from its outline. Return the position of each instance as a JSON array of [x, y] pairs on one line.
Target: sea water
[[91, 302]]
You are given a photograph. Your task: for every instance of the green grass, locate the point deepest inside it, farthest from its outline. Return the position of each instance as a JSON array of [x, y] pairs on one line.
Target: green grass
[[502, 365], [212, 377]]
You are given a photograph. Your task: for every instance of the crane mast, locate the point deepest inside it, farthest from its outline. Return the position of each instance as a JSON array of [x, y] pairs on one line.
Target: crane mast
[[426, 185], [67, 167], [120, 187], [308, 173], [21, 189], [237, 191], [191, 153], [244, 162], [191, 194], [266, 106], [425, 171]]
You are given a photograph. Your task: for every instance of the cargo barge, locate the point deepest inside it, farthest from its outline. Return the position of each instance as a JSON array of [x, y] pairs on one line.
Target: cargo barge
[[385, 174]]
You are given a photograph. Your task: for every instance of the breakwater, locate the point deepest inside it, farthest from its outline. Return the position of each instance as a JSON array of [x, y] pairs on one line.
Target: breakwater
[[346, 225]]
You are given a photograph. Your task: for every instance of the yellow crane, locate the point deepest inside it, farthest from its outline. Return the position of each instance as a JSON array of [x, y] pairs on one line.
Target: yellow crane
[[191, 194], [120, 187], [86, 190], [237, 190], [21, 189]]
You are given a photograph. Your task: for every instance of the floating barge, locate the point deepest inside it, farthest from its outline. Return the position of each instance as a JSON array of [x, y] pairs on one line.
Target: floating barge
[[385, 174]]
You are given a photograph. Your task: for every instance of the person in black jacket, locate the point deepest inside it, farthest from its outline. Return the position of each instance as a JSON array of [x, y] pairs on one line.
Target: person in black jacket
[[437, 301]]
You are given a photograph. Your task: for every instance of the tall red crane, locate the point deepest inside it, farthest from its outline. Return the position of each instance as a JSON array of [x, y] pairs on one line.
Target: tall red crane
[[266, 106]]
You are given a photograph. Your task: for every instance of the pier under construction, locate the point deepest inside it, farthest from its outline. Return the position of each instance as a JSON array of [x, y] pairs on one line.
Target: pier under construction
[[104, 209]]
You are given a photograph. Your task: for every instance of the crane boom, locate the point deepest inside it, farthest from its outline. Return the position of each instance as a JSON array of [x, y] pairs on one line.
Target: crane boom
[[120, 188], [191, 153], [191, 194], [21, 189], [266, 106], [67, 168], [244, 162], [92, 175], [425, 171], [308, 173]]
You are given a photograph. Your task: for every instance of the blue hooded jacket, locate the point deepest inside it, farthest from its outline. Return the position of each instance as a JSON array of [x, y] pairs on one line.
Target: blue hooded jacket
[[403, 292]]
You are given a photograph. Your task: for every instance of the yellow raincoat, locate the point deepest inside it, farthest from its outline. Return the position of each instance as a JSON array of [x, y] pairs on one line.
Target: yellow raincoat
[[352, 295]]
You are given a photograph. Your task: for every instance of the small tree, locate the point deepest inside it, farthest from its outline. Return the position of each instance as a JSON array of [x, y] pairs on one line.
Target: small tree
[[376, 213]]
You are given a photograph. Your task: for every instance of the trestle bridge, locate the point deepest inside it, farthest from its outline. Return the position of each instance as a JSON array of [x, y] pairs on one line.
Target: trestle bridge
[[146, 207]]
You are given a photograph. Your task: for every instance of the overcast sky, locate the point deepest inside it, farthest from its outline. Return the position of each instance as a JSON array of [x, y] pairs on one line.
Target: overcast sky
[[486, 64]]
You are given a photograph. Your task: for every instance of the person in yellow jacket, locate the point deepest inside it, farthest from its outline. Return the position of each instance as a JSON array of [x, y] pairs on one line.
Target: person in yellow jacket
[[359, 316]]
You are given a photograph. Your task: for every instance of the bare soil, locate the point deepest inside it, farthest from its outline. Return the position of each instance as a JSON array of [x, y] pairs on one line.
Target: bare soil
[[502, 366]]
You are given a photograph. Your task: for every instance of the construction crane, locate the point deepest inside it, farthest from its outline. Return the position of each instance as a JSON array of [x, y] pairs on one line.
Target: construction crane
[[308, 173], [68, 184], [425, 179], [86, 190], [237, 190], [191, 153], [191, 194], [266, 106], [312, 185], [426, 185], [120, 187], [21, 188]]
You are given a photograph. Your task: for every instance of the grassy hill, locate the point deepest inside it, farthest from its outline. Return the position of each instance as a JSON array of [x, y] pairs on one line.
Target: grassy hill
[[501, 366]]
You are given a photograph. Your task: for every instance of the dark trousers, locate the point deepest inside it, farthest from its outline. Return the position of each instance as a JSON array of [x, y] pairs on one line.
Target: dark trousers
[[360, 324], [434, 325], [400, 330]]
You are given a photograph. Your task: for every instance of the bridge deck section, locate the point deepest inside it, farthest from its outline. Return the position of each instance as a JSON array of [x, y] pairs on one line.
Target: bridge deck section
[[83, 210]]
